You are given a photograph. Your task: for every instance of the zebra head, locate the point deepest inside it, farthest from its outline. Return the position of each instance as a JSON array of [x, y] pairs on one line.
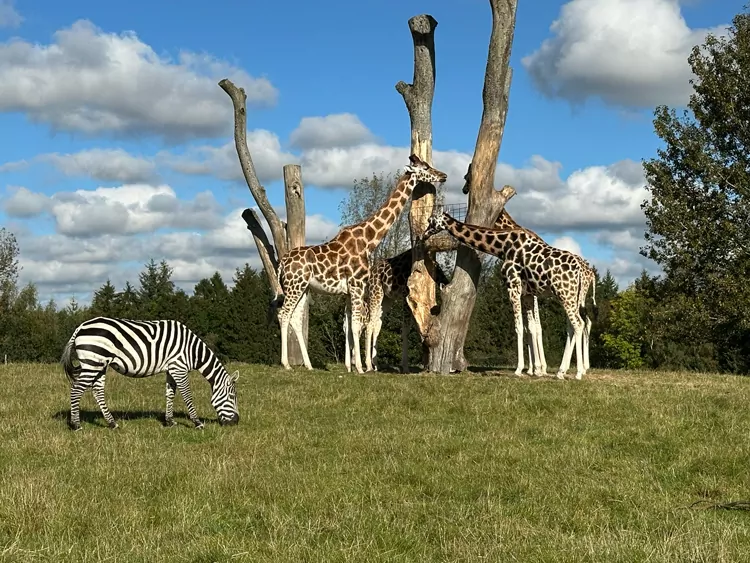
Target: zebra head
[[224, 397]]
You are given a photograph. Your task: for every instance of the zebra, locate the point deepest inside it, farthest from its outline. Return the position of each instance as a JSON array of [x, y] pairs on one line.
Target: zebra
[[140, 349]]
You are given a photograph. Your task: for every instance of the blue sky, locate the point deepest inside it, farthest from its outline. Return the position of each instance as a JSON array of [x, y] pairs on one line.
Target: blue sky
[[117, 141]]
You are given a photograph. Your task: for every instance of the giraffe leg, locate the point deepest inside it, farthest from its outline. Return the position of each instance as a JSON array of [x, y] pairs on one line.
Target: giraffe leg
[[356, 298], [585, 339], [297, 323], [542, 369], [347, 342], [527, 302], [371, 341], [514, 292], [84, 380], [171, 389], [98, 390], [575, 336], [291, 300]]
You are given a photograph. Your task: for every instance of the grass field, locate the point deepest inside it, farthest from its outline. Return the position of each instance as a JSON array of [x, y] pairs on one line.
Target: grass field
[[379, 468]]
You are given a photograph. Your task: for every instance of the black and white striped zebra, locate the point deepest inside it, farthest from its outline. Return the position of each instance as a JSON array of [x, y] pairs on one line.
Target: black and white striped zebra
[[140, 349]]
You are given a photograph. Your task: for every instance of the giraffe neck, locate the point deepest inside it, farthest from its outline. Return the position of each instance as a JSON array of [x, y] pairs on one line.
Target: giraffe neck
[[505, 221], [376, 227], [483, 239]]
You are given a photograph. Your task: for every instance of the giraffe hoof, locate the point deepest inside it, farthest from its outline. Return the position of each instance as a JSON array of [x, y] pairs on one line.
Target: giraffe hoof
[[113, 425], [579, 376], [560, 375]]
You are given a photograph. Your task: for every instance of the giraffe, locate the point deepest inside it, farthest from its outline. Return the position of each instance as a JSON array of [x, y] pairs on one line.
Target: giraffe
[[341, 265], [388, 282], [533, 324], [532, 268]]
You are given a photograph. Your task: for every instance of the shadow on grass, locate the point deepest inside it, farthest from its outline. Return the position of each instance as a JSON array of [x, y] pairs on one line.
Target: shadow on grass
[[95, 417]]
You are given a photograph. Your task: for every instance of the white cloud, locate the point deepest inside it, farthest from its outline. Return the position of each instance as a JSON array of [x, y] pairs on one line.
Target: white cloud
[[23, 203], [127, 209], [222, 161], [61, 264], [567, 243], [108, 165], [630, 53], [96, 82], [14, 166], [9, 17], [334, 130]]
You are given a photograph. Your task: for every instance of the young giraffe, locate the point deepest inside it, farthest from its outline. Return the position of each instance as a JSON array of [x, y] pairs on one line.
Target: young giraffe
[[388, 281], [532, 267], [533, 324], [341, 266]]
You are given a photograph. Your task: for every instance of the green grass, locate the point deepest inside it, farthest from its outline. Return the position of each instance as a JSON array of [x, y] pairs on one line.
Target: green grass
[[327, 466]]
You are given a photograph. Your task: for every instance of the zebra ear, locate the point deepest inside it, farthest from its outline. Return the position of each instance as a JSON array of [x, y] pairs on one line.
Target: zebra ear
[[235, 376]]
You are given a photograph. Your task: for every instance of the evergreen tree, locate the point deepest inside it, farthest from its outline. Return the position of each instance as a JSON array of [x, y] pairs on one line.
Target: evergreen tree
[[156, 290], [105, 300]]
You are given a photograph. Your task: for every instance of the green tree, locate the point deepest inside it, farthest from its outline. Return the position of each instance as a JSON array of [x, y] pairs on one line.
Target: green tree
[[699, 210], [366, 197], [8, 268], [627, 336], [156, 290], [104, 302]]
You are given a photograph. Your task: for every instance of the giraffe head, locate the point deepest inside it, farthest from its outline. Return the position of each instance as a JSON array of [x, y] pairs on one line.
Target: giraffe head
[[435, 224], [423, 172]]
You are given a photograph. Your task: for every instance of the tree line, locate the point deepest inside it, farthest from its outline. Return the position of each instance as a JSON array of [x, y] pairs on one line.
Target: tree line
[[695, 316]]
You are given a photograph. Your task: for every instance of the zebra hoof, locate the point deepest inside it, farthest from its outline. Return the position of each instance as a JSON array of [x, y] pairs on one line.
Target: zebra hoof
[[169, 423], [199, 426], [74, 427], [113, 425]]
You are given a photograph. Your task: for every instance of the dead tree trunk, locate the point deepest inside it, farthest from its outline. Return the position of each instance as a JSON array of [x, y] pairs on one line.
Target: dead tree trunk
[[485, 203], [284, 236], [295, 227], [418, 99]]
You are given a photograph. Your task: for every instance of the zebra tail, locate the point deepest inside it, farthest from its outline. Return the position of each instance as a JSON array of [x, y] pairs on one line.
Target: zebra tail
[[71, 370]]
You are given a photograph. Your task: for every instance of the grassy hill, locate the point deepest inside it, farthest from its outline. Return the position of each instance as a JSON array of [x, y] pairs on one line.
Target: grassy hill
[[328, 466]]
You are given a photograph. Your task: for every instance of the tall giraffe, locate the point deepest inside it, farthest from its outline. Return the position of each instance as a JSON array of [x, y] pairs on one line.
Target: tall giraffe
[[533, 324], [388, 282], [342, 265], [532, 268]]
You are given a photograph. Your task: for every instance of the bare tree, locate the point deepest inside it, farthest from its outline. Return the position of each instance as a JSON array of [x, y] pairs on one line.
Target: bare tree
[[445, 332], [285, 235]]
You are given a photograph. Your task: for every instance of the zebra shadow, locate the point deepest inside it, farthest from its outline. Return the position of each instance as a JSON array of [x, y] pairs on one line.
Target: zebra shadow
[[95, 417]]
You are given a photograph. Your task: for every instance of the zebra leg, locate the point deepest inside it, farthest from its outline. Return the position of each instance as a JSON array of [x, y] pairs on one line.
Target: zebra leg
[[84, 380], [98, 390], [171, 389], [183, 384]]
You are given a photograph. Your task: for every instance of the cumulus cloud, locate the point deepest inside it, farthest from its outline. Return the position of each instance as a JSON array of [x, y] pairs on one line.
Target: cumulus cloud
[[109, 165], [61, 264], [222, 161], [630, 53], [567, 243], [334, 130], [95, 82], [23, 203], [9, 17], [127, 209]]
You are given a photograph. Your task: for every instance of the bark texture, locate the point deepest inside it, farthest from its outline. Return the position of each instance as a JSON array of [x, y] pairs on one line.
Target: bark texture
[[294, 194], [284, 236], [418, 99], [485, 203]]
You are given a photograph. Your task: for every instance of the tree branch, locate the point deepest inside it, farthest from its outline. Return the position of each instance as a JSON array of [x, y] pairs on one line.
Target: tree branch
[[270, 265], [240, 140]]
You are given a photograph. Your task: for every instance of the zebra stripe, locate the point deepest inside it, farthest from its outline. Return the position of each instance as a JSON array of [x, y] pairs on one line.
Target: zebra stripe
[[141, 349]]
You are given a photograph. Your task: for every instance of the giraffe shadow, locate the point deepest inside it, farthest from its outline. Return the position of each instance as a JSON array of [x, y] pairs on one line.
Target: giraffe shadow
[[95, 417]]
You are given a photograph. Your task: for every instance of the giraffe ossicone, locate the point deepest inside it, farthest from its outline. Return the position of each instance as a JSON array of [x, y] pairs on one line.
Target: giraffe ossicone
[[341, 265]]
